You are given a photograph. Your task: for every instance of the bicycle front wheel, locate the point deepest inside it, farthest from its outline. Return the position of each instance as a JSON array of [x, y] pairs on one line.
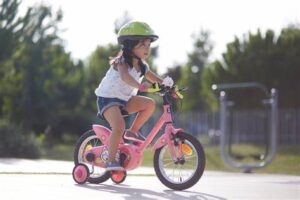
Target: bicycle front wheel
[[187, 169]]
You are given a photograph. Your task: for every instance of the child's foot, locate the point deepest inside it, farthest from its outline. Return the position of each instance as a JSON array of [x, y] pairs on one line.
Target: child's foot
[[113, 166], [136, 137]]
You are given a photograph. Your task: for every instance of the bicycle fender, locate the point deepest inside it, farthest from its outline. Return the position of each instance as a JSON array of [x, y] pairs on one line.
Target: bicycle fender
[[102, 133]]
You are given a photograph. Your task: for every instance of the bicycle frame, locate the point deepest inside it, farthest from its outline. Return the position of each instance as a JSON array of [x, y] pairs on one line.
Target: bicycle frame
[[166, 118], [166, 139], [173, 150]]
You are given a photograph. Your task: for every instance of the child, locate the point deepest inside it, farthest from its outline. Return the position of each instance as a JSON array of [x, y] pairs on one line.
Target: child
[[117, 91]]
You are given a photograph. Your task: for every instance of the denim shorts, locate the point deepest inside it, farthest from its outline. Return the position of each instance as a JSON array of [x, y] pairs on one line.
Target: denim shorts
[[103, 103]]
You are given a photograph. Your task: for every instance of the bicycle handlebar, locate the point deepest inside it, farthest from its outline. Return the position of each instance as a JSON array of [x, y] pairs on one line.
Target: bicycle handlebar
[[163, 90]]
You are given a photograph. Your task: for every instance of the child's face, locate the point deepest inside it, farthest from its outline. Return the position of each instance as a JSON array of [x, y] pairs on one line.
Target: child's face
[[142, 49]]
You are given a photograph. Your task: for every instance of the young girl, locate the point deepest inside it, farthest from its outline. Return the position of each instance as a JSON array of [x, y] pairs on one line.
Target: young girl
[[117, 91]]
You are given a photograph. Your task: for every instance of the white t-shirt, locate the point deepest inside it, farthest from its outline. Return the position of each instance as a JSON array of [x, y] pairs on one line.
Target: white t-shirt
[[112, 86]]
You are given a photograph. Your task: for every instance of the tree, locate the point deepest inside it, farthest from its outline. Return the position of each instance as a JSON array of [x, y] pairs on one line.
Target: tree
[[191, 73], [41, 86], [264, 58], [11, 28], [175, 72]]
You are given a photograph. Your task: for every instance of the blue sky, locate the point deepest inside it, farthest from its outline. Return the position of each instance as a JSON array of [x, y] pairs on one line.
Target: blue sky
[[91, 22]]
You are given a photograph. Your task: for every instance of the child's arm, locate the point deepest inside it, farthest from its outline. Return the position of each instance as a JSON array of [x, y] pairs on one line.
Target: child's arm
[[152, 77], [126, 77]]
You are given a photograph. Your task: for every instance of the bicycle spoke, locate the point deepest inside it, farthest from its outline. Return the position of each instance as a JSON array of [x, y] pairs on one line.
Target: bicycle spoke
[[94, 142], [168, 164], [188, 157], [189, 164], [181, 171], [169, 159]]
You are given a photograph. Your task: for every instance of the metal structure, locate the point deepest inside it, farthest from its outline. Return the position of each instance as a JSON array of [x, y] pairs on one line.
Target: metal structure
[[271, 145]]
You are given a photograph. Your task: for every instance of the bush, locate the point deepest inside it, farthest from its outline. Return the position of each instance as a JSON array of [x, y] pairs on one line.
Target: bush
[[14, 143]]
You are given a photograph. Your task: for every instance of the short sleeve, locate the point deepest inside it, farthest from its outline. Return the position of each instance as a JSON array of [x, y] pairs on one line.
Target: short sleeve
[[119, 60]]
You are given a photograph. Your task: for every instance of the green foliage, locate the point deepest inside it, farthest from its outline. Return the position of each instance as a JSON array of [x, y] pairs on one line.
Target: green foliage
[[191, 74], [267, 59], [40, 85], [16, 144], [175, 72], [47, 93]]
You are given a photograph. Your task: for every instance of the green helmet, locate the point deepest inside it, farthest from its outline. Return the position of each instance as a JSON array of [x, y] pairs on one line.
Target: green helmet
[[136, 31]]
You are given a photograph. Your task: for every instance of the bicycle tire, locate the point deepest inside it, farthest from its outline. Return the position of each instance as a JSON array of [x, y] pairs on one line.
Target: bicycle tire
[[161, 171], [85, 139]]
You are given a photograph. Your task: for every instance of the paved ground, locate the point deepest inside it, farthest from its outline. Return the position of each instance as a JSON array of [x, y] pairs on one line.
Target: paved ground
[[45, 179]]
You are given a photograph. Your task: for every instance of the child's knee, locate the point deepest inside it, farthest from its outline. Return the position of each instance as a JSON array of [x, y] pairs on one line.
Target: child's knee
[[150, 104]]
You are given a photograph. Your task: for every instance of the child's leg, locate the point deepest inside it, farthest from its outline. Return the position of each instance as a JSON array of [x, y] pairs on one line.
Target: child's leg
[[116, 121], [144, 106]]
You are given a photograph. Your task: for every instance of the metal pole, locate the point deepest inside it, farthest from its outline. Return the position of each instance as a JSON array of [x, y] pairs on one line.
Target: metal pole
[[273, 101]]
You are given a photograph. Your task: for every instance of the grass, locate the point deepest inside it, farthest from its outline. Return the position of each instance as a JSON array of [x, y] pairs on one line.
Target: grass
[[59, 152], [287, 160]]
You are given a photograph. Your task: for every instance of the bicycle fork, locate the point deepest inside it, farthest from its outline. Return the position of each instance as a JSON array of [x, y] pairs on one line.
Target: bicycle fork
[[169, 138]]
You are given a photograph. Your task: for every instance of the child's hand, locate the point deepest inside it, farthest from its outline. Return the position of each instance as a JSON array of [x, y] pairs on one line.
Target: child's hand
[[143, 87], [146, 87], [155, 88], [168, 81]]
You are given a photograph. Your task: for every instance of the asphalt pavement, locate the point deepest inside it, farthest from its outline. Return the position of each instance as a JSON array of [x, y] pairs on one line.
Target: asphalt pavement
[[49, 179]]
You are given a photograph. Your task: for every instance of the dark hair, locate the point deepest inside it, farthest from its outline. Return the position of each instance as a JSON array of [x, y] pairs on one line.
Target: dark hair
[[126, 53]]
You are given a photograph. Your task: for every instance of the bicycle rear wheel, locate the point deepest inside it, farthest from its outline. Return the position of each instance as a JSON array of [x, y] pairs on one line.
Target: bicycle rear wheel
[[84, 143], [186, 170]]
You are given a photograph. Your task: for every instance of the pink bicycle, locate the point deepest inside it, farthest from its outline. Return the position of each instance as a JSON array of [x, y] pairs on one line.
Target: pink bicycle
[[179, 159]]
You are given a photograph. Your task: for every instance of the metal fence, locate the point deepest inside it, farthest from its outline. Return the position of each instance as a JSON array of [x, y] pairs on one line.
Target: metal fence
[[245, 125]]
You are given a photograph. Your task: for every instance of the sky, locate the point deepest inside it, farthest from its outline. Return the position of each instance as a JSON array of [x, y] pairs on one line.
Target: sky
[[90, 23]]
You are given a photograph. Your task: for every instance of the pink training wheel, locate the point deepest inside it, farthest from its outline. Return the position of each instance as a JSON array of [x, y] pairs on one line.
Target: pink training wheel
[[80, 173], [118, 176]]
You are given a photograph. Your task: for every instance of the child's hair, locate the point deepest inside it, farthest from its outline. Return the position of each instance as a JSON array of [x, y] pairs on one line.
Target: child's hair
[[125, 56]]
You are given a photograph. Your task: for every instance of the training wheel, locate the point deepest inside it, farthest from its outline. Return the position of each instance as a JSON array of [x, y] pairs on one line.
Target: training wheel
[[80, 173], [118, 176]]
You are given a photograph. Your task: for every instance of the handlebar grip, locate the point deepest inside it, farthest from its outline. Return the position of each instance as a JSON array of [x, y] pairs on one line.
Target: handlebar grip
[[178, 93], [155, 88]]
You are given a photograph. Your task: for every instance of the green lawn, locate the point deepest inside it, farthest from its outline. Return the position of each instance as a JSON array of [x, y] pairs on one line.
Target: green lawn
[[287, 160], [59, 152]]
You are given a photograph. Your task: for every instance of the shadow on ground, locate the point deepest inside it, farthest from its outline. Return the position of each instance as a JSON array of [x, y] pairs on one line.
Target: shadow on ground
[[136, 193]]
